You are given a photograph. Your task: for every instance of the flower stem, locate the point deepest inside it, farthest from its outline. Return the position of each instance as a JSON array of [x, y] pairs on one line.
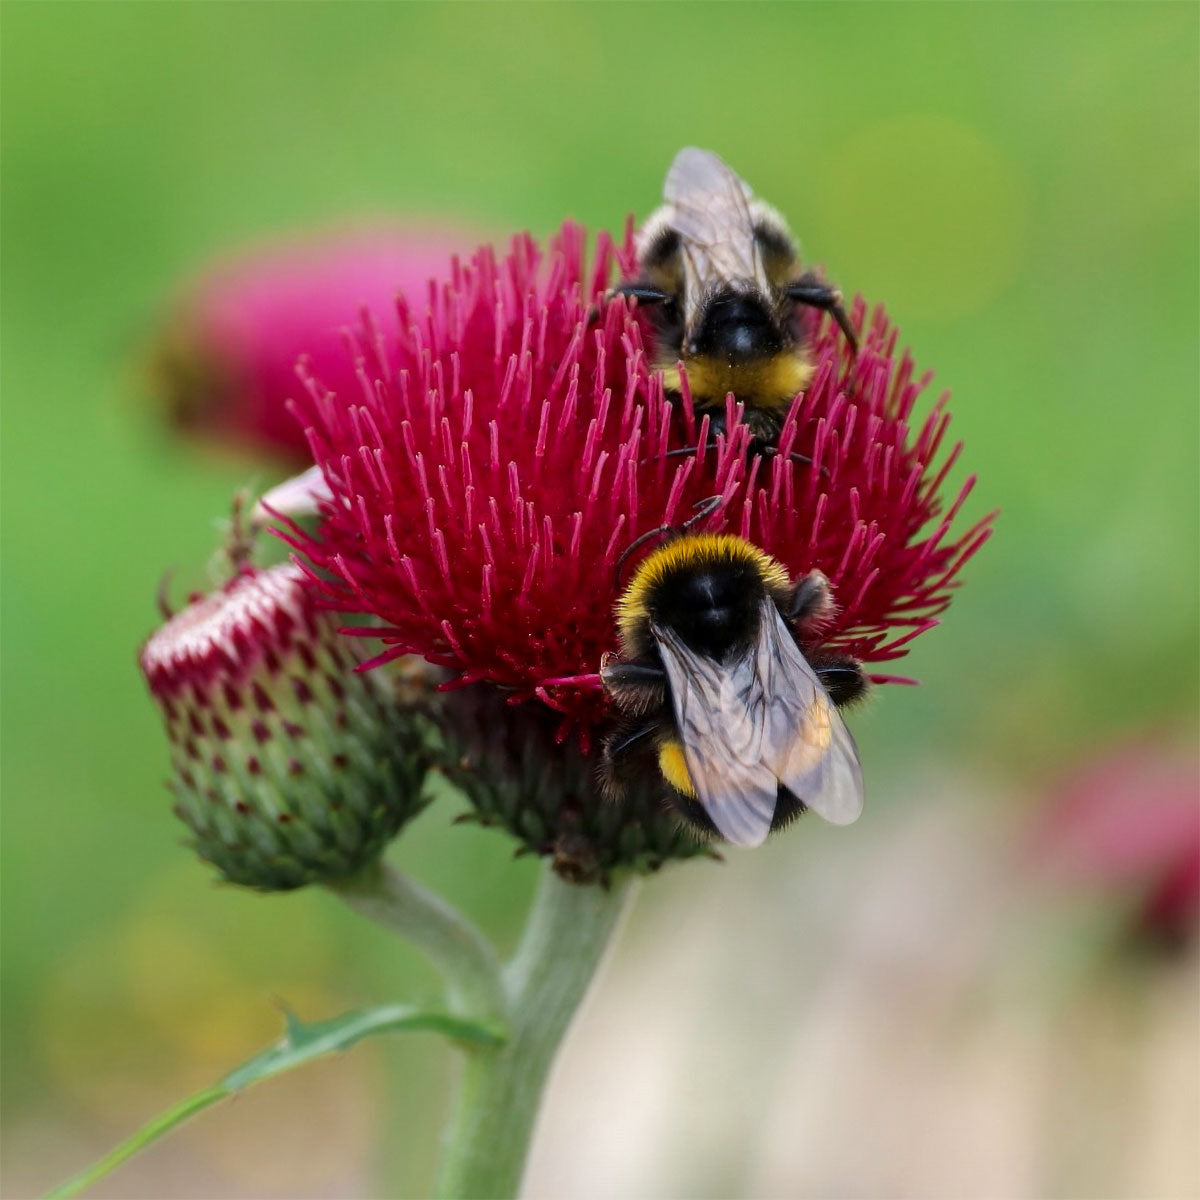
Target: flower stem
[[455, 946], [487, 1143]]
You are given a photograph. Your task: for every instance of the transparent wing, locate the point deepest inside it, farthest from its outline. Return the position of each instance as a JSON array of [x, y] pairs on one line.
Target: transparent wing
[[708, 196], [807, 745], [710, 209], [762, 720], [719, 712]]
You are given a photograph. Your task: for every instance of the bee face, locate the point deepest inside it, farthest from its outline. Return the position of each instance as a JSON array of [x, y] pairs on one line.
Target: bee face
[[712, 679], [737, 328]]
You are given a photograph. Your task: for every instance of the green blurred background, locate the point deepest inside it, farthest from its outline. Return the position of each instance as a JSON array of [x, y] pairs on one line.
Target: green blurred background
[[1017, 182]]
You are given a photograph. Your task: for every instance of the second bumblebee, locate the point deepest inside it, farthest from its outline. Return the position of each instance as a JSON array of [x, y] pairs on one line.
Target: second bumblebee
[[719, 698]]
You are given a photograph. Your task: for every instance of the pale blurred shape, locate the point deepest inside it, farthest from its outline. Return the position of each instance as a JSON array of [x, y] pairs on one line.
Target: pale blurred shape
[[869, 1015]]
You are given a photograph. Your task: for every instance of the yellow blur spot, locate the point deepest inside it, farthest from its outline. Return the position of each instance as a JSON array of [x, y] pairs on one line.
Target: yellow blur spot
[[671, 763], [923, 212]]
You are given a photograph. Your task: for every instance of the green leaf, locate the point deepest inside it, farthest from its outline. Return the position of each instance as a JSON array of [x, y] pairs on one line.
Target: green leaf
[[300, 1044]]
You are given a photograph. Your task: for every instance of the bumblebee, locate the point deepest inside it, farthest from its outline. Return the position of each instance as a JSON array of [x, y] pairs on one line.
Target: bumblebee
[[720, 277], [718, 696]]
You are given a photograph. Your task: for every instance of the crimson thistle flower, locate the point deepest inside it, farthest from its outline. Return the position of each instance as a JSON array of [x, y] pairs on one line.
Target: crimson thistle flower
[[503, 446]]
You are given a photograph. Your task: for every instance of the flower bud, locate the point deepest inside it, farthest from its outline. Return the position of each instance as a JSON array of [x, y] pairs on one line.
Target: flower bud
[[289, 767]]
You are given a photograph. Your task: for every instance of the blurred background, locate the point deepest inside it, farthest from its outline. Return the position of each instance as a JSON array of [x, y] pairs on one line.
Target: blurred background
[[977, 991]]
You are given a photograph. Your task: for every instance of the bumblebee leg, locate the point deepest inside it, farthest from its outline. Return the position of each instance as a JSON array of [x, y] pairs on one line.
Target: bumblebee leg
[[642, 293], [635, 687], [682, 452], [843, 678], [693, 814], [629, 738], [645, 296], [688, 451], [628, 674], [808, 289], [627, 756], [811, 599], [769, 451]]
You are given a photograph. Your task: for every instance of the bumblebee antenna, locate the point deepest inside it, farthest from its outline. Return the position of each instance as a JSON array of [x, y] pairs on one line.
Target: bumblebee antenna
[[703, 509]]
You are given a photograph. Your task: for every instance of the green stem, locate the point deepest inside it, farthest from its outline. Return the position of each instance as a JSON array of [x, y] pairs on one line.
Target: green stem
[[488, 1140], [454, 945]]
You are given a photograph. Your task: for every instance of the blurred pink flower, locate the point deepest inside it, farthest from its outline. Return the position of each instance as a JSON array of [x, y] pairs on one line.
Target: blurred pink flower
[[225, 361], [1128, 824]]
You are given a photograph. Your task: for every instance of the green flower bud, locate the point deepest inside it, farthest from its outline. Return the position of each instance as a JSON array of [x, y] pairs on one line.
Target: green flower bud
[[289, 767]]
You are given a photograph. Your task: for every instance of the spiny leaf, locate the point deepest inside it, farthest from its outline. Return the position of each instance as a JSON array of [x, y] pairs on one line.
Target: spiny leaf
[[301, 1043]]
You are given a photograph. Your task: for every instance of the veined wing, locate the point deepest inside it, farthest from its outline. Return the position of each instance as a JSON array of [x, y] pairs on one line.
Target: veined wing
[[719, 713], [807, 745], [758, 721], [710, 209]]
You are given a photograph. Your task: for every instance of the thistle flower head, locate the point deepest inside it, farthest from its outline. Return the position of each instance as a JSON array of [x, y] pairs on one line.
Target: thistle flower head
[[503, 446], [288, 767], [224, 362], [498, 455]]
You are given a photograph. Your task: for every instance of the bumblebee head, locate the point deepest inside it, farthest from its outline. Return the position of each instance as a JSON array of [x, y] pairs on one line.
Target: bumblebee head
[[736, 326], [713, 277], [713, 606], [708, 588]]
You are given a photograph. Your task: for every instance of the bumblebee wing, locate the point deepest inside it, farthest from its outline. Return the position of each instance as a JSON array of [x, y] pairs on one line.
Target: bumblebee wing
[[806, 745], [707, 194], [710, 209], [719, 713]]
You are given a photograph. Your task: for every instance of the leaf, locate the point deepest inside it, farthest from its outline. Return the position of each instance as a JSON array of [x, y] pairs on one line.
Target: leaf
[[300, 1044]]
